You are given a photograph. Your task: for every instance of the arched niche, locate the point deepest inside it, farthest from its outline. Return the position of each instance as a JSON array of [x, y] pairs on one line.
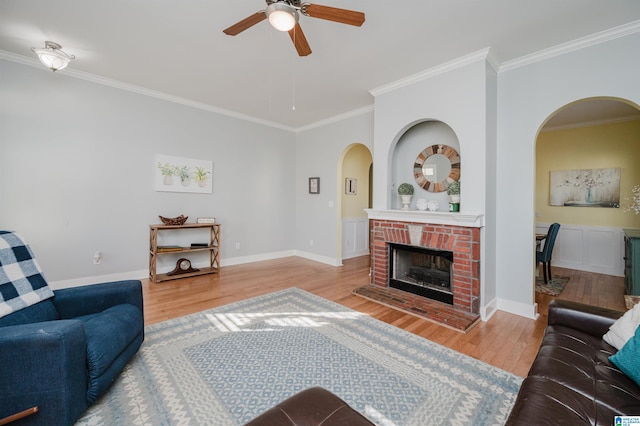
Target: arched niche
[[419, 142]]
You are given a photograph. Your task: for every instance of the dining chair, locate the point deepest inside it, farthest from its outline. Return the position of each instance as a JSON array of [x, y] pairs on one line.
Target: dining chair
[[544, 255]]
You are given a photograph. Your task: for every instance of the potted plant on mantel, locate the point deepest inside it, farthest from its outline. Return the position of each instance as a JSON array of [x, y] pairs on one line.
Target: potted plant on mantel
[[454, 196], [405, 190]]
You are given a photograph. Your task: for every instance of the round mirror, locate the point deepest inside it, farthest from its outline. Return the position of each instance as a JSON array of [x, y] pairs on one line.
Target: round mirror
[[436, 167]]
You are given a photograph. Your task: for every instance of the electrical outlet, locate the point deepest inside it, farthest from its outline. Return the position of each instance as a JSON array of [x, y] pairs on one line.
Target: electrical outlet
[[97, 258], [311, 243], [237, 246]]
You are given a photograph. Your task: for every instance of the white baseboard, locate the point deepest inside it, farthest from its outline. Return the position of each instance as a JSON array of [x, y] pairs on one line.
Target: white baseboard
[[97, 279], [143, 274], [517, 308], [356, 254], [487, 311], [322, 259], [239, 260]]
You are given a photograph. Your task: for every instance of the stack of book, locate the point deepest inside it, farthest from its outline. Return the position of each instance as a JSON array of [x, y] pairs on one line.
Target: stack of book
[[165, 249]]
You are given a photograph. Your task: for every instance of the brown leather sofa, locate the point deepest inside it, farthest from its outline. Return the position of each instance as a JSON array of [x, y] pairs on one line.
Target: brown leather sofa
[[571, 381], [313, 406]]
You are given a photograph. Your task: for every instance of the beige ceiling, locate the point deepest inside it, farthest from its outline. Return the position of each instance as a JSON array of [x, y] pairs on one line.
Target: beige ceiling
[[177, 47]]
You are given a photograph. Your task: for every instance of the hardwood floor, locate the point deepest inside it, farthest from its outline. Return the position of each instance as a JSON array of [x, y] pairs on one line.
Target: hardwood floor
[[506, 341]]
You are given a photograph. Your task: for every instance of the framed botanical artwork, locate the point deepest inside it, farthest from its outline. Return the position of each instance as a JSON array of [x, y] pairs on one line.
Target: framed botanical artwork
[[314, 185], [585, 188], [351, 186], [178, 174]]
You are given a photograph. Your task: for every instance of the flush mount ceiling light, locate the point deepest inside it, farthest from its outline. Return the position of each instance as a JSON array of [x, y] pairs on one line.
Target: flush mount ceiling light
[[282, 16], [52, 57]]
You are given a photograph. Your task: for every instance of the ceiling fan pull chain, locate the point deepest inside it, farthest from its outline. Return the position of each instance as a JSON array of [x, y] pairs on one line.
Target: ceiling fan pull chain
[[293, 58]]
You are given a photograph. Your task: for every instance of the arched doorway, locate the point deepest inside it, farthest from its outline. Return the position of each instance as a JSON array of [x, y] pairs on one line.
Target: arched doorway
[[591, 136], [354, 181]]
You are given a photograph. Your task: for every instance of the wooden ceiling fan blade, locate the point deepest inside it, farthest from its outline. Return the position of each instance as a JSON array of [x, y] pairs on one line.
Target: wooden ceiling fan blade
[[343, 16], [299, 40], [246, 23]]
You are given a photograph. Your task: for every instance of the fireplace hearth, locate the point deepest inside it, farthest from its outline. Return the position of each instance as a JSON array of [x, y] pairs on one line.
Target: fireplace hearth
[[421, 271]]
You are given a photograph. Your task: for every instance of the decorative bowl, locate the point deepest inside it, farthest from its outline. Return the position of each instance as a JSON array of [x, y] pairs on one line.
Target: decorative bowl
[[179, 220]]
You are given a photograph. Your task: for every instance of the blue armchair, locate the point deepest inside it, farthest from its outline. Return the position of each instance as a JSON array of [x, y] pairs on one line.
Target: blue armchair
[[61, 353]]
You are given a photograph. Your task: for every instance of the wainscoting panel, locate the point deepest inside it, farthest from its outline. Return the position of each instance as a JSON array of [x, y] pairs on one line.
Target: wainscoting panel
[[355, 237], [588, 248]]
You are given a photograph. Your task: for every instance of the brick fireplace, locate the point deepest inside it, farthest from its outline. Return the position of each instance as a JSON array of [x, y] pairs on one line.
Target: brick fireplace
[[451, 232]]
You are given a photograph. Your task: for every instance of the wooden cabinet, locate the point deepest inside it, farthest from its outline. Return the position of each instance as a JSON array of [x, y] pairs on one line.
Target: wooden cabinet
[[213, 248], [632, 261]]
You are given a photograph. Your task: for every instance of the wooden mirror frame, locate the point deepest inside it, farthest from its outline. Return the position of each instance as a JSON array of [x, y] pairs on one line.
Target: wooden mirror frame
[[454, 160]]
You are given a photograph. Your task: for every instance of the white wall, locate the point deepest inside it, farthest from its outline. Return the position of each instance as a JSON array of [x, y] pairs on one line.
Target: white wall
[[77, 164], [457, 98], [527, 96], [488, 258], [318, 153], [461, 95]]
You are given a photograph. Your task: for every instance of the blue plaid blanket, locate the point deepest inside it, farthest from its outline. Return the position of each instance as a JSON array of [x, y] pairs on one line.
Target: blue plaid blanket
[[21, 281]]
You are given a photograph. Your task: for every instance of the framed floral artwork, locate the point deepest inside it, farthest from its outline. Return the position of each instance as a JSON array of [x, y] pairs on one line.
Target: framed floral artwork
[[585, 188]]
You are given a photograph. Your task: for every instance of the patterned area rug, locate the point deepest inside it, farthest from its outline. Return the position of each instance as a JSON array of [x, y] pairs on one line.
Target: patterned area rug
[[227, 365], [553, 287]]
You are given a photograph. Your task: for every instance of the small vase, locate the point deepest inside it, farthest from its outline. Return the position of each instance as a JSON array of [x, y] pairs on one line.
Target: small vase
[[406, 200], [422, 204], [167, 180], [454, 203]]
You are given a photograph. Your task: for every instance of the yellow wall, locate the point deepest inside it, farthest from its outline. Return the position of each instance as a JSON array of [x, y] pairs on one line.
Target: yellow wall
[[356, 165], [615, 145]]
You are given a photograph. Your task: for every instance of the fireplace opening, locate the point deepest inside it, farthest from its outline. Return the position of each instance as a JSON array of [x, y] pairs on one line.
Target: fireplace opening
[[421, 271]]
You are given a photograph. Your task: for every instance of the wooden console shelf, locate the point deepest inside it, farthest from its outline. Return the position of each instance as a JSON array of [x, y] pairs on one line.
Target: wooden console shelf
[[154, 251]]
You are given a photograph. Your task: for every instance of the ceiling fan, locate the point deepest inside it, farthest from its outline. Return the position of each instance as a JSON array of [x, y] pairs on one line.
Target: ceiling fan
[[283, 16]]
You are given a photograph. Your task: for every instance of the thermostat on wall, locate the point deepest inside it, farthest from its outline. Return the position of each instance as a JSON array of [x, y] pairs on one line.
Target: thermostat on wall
[[206, 220]]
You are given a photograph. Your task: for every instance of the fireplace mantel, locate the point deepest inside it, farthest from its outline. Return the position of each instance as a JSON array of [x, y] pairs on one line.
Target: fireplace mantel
[[470, 220]]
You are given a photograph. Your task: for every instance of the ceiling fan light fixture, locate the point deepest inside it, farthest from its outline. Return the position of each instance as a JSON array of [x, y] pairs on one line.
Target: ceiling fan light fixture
[[52, 57], [282, 16]]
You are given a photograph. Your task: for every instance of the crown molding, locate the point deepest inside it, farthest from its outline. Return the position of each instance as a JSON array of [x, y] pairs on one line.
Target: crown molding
[[572, 46], [493, 61], [140, 90], [484, 54], [432, 72], [349, 114], [12, 57]]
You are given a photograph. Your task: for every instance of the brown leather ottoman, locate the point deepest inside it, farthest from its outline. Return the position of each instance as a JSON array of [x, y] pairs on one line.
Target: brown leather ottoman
[[313, 406]]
